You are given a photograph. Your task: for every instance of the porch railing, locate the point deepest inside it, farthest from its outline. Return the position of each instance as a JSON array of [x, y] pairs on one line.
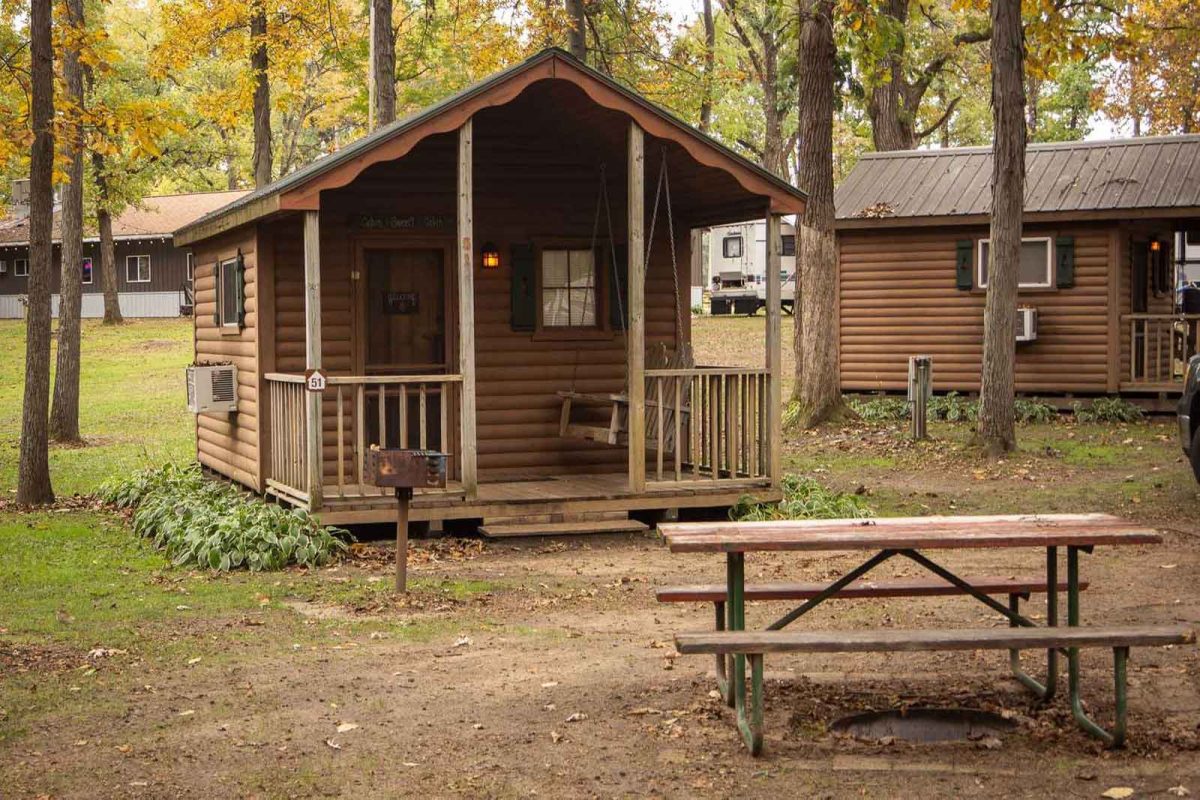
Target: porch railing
[[707, 423], [356, 413], [1160, 346]]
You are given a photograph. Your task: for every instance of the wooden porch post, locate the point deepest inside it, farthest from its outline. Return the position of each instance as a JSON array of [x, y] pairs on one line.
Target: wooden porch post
[[312, 353], [466, 311], [775, 350], [635, 332]]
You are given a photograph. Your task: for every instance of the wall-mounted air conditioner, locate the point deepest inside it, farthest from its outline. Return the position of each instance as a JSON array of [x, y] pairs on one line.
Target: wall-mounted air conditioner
[[212, 389], [1027, 319]]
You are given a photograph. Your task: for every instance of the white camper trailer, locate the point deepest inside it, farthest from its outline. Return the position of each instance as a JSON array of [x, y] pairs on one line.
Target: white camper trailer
[[737, 267]]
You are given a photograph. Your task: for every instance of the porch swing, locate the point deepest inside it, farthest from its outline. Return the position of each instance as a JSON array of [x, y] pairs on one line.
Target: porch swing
[[616, 432]]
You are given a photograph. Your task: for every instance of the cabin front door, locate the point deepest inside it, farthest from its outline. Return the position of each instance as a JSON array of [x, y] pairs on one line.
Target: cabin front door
[[405, 335]]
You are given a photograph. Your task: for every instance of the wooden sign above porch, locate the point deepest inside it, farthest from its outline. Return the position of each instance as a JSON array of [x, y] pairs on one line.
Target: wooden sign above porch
[[412, 222]]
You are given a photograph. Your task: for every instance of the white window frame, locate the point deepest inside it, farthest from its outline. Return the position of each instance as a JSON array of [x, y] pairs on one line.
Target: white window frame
[[17, 271], [224, 302], [91, 273], [729, 238], [139, 278], [1049, 284], [597, 320], [191, 267]]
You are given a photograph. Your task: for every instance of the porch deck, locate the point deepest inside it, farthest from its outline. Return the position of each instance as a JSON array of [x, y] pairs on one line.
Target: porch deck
[[538, 495]]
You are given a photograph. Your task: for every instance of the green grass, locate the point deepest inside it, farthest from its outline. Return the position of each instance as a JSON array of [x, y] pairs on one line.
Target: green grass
[[132, 403]]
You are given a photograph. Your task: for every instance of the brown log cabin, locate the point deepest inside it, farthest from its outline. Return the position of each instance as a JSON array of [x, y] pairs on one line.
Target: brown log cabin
[[1102, 230], [475, 279]]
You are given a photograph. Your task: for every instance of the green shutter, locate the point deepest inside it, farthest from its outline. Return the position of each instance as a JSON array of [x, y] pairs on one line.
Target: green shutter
[[618, 294], [963, 267], [240, 282], [1064, 262], [523, 288]]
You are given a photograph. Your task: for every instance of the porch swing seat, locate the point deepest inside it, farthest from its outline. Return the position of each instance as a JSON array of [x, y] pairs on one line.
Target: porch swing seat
[[617, 431]]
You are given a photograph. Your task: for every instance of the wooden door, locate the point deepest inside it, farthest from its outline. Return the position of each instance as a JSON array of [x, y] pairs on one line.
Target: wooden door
[[406, 311]]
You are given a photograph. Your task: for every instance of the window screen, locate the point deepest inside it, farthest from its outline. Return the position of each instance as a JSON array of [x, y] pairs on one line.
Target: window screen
[[568, 289], [137, 269], [788, 245], [86, 268], [21, 267], [1035, 263], [731, 247], [229, 292]]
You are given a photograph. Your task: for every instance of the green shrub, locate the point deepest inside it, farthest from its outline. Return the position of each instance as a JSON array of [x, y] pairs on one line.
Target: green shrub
[[879, 409], [697, 311], [953, 407], [803, 498], [1108, 409], [1035, 412], [211, 525]]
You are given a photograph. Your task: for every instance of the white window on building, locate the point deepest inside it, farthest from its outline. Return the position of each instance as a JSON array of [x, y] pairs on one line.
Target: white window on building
[[568, 289], [1037, 263], [21, 267], [137, 269]]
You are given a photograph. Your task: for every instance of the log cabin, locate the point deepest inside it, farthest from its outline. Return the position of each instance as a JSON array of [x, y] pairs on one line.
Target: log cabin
[[502, 277], [154, 275], [1101, 245]]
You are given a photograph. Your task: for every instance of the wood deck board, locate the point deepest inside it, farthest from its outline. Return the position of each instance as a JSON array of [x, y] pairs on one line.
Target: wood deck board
[[891, 640], [1052, 530]]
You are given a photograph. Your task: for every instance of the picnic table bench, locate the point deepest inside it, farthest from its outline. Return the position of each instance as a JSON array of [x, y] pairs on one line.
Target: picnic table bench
[[907, 537]]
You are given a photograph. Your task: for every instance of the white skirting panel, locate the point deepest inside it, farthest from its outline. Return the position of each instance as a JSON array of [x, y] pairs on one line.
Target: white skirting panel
[[133, 305]]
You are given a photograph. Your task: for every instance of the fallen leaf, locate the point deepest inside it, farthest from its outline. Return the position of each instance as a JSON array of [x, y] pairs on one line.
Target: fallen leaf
[[463, 642], [192, 661], [333, 744], [1118, 793], [345, 727], [187, 713], [1178, 791], [549, 684], [556, 737], [578, 716]]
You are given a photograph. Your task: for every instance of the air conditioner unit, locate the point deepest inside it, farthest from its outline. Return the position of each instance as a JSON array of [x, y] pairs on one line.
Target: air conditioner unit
[[1027, 319], [212, 389]]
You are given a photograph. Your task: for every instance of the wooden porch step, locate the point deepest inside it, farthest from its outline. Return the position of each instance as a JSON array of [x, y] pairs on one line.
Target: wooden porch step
[[567, 527]]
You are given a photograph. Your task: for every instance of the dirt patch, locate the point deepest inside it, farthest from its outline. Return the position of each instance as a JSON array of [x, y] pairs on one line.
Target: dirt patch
[[35, 659]]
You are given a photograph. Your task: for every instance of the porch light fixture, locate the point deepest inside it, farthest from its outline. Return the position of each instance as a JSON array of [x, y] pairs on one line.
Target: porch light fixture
[[490, 257]]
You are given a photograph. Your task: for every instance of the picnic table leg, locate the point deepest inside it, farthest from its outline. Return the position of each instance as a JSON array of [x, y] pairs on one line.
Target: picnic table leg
[[1120, 656], [722, 668], [735, 596], [1047, 691]]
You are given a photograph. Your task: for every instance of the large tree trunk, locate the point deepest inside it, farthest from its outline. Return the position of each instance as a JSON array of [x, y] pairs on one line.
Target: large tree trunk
[[710, 55], [108, 255], [997, 429], [577, 33], [383, 65], [817, 389], [262, 96], [64, 413], [33, 470]]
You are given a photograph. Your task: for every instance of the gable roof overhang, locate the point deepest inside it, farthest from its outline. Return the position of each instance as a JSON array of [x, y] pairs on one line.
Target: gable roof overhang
[[301, 190]]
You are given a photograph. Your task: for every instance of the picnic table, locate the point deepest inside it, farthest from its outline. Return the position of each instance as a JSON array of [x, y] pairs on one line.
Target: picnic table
[[913, 538]]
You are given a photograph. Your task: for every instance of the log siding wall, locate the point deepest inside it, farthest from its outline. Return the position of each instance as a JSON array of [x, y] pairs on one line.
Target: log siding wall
[[898, 298], [228, 443]]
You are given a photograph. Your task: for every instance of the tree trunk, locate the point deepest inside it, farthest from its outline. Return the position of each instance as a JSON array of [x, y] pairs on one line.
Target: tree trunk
[[383, 65], [64, 412], [817, 389], [108, 257], [577, 34], [774, 156], [262, 96], [997, 429], [710, 56], [33, 470]]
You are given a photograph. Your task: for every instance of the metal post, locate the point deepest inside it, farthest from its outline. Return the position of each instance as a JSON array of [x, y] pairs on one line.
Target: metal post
[[403, 497], [920, 388]]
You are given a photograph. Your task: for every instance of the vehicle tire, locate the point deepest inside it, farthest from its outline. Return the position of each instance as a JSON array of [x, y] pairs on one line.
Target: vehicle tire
[[1195, 453]]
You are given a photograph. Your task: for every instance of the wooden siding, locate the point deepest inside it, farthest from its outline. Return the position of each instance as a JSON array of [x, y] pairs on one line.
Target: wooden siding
[[228, 443], [898, 298], [168, 267]]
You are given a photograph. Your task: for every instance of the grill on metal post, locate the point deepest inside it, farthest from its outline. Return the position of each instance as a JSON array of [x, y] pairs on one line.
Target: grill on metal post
[[404, 470]]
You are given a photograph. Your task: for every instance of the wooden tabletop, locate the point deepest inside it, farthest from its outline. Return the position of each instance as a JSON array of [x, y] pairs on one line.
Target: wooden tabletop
[[917, 533]]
